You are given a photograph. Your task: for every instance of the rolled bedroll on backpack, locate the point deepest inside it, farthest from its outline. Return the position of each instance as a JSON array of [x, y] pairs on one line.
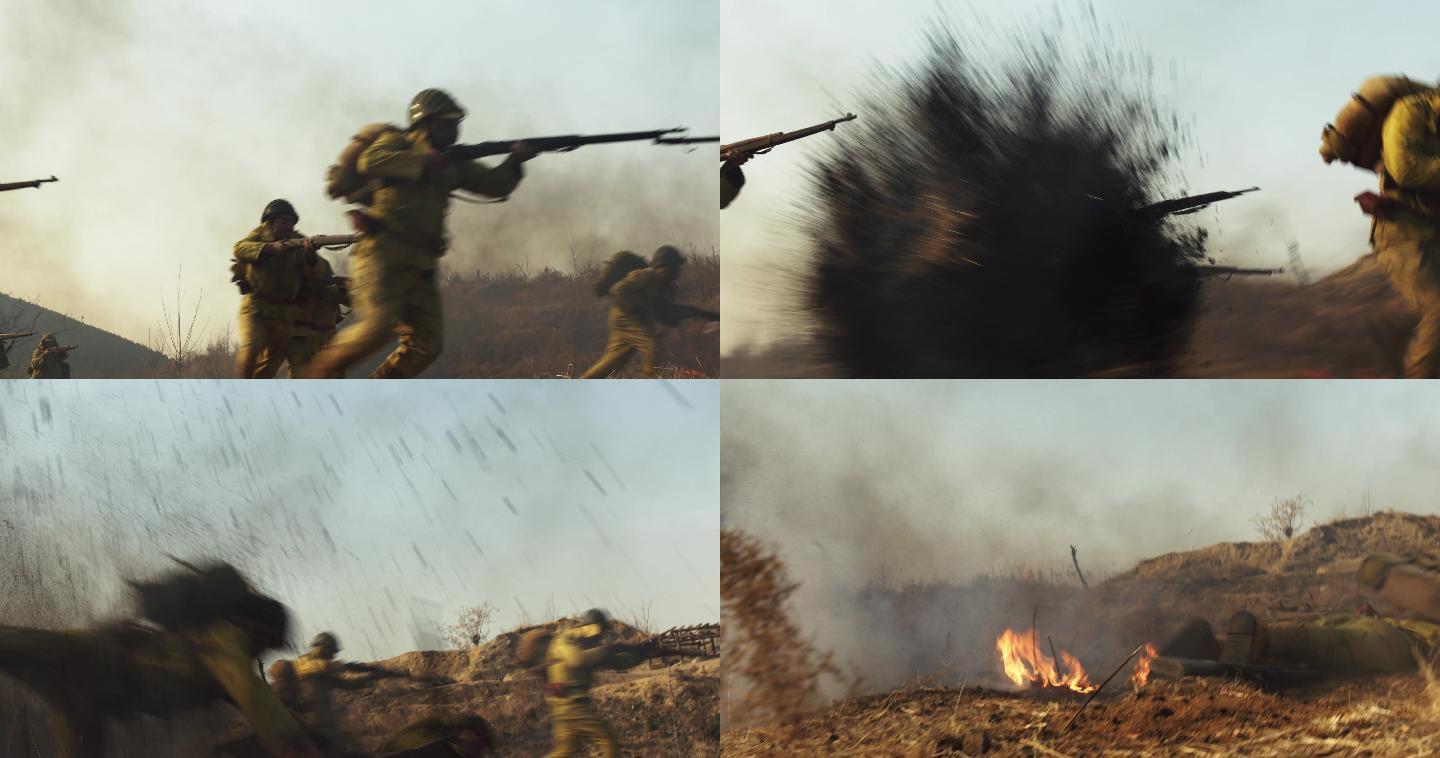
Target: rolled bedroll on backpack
[[1354, 137]]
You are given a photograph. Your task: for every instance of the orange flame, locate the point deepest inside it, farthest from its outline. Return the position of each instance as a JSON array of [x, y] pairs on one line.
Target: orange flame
[[1142, 666], [1027, 666]]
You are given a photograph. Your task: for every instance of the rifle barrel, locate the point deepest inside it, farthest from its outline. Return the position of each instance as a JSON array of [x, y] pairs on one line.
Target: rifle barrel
[[1189, 204], [32, 184], [758, 144], [562, 143]]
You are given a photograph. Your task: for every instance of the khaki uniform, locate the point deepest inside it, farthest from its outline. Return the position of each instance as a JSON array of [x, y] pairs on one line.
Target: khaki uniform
[[640, 304], [86, 676], [392, 285], [268, 313], [319, 314], [49, 363], [732, 179], [1407, 245], [1347, 643], [569, 673]]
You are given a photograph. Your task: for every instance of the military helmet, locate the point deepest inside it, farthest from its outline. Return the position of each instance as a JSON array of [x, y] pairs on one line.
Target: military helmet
[[279, 208], [667, 255], [326, 641], [433, 103], [49, 340], [594, 623]]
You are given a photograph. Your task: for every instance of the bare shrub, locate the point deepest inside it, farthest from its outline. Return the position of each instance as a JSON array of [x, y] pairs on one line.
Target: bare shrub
[[1283, 519], [472, 628]]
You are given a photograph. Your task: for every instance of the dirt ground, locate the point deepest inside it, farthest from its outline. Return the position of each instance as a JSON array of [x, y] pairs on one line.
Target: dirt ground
[[1350, 324], [978, 712], [1386, 716]]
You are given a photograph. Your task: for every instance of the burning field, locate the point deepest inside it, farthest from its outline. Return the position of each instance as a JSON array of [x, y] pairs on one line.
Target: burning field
[[1073, 690]]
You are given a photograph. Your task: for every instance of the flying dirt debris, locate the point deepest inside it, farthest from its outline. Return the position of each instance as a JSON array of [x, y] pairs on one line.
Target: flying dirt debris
[[1004, 222]]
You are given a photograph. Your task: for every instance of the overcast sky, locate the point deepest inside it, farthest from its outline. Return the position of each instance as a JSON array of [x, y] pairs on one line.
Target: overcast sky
[[171, 124], [1256, 80], [943, 480], [364, 506]]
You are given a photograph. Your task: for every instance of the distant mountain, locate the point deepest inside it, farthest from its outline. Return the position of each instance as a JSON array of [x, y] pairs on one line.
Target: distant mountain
[[102, 355]]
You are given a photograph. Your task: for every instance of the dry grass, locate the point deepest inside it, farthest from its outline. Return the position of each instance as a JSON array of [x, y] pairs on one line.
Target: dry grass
[[767, 657]]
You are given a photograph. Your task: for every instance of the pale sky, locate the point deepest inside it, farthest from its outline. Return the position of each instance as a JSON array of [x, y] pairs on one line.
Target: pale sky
[[171, 124], [1256, 80], [356, 503], [945, 480]]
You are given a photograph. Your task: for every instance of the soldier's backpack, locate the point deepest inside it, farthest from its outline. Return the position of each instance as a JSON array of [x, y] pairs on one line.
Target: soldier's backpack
[[343, 179], [616, 268], [530, 651], [1354, 137]]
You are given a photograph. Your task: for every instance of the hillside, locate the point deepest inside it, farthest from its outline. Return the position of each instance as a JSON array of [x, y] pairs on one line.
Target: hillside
[[102, 355], [959, 709], [666, 711]]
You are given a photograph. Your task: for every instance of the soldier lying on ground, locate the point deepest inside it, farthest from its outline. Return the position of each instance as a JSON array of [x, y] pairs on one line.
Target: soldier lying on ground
[[1363, 642]]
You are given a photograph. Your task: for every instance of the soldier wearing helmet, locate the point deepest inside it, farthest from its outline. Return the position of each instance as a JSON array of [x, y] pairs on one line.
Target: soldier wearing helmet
[[574, 657], [393, 287], [307, 685], [641, 304], [270, 275], [49, 360]]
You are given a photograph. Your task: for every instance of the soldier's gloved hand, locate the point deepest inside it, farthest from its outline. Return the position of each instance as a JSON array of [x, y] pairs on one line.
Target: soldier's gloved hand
[[738, 159], [522, 151], [310, 246], [273, 247]]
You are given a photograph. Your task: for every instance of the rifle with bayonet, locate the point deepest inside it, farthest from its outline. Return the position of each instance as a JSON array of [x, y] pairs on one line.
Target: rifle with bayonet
[[762, 145], [32, 184], [564, 143], [1185, 205], [7, 336]]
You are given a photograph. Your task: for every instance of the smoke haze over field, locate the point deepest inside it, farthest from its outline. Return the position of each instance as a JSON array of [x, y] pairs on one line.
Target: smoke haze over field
[[367, 508], [1256, 83], [859, 483], [171, 124]]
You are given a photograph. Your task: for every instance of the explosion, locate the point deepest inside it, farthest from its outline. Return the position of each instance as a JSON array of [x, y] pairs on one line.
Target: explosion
[[1026, 666], [980, 220]]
